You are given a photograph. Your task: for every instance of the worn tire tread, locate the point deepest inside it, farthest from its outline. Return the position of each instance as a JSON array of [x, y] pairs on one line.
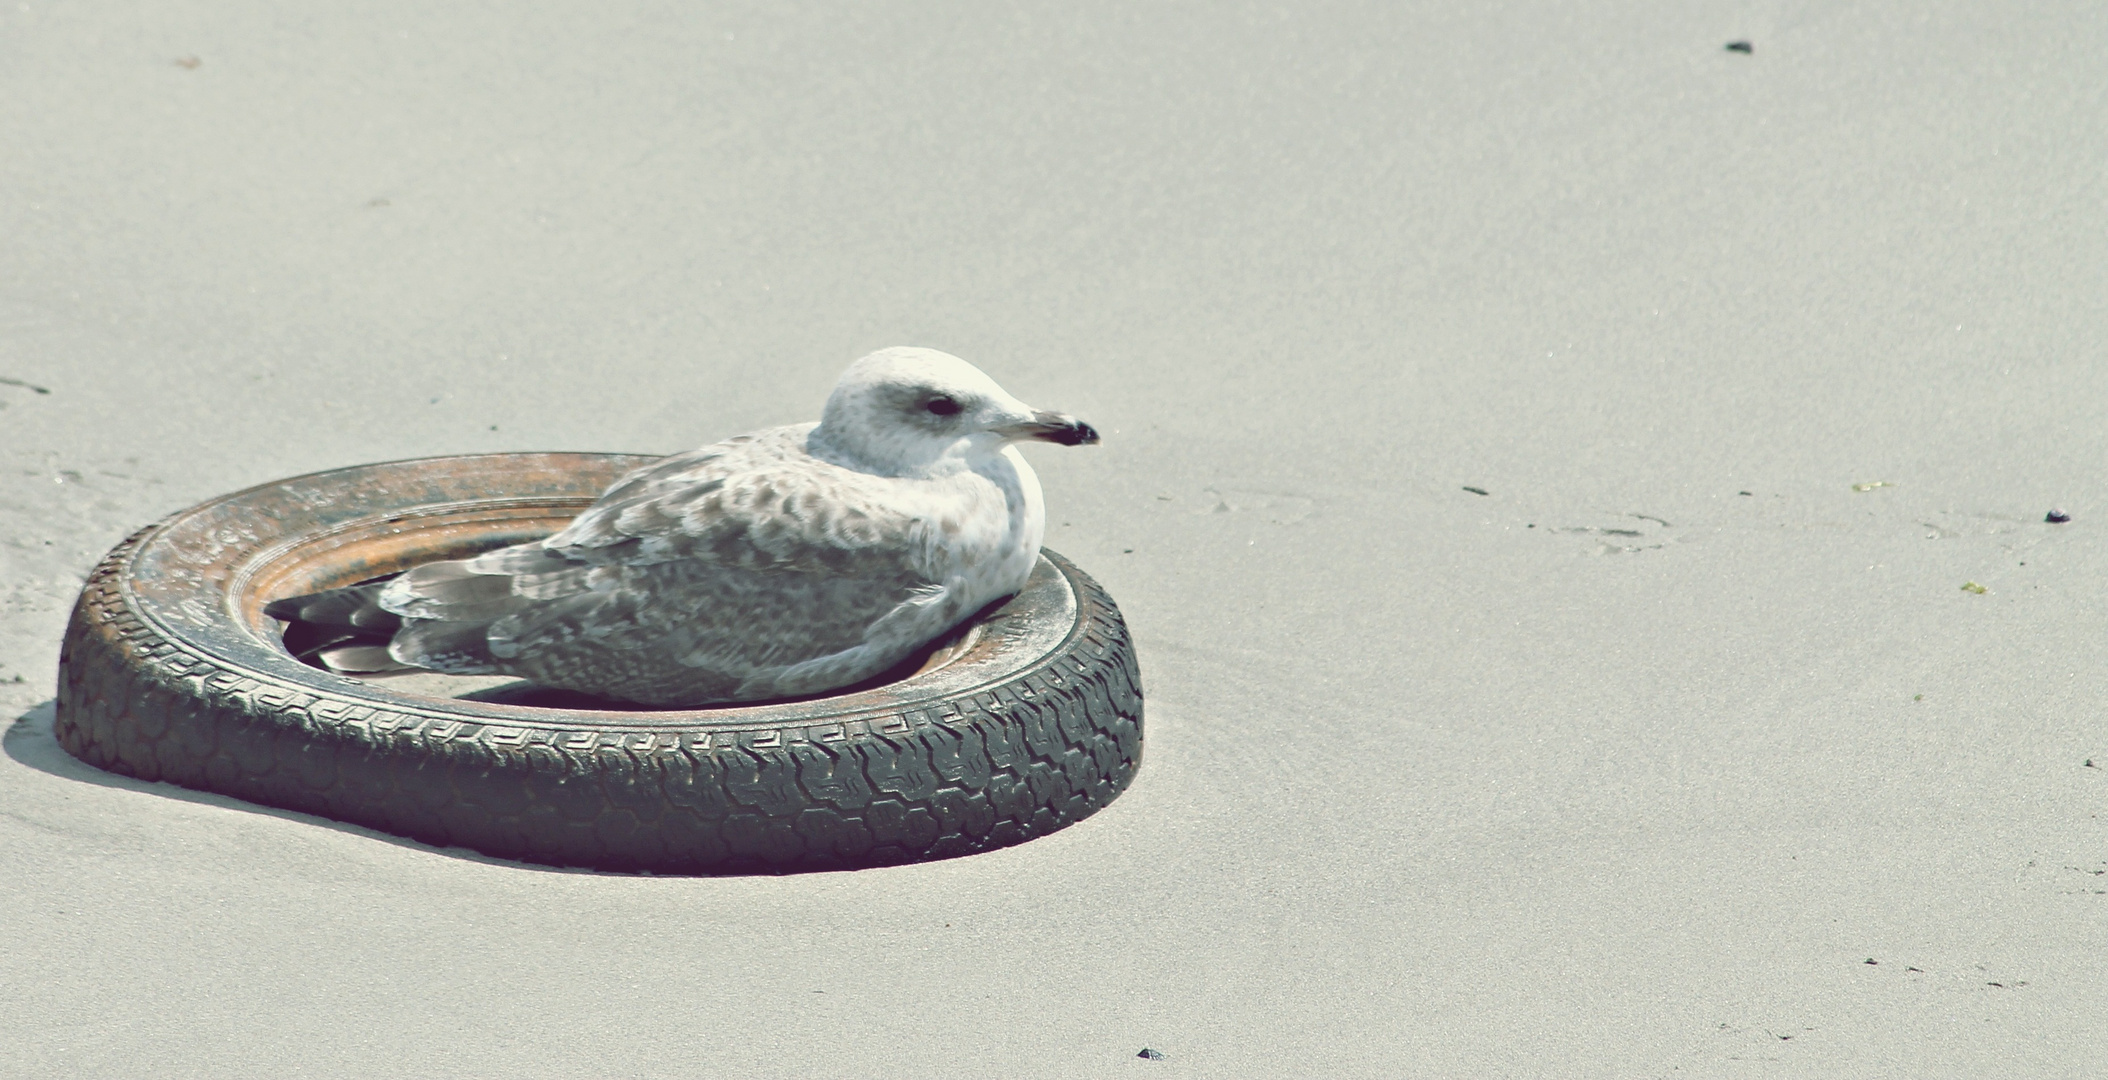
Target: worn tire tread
[[977, 771]]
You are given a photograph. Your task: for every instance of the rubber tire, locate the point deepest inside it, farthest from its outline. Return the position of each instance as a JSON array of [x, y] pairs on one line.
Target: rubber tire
[[170, 672]]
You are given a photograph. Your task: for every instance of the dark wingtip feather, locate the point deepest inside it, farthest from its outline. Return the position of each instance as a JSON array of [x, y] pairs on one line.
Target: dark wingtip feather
[[357, 607], [360, 659], [286, 609]]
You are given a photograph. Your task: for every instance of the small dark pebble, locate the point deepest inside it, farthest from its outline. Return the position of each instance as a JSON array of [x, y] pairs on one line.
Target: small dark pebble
[[1742, 493], [1476, 491], [2056, 517], [1741, 47], [1871, 960], [2089, 761], [1150, 1055]]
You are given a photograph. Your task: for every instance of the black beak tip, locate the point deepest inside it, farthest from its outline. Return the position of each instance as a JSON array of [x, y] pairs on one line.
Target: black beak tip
[[1077, 433], [1059, 428]]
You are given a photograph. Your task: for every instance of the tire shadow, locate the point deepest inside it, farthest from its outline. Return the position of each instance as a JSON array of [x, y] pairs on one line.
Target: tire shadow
[[30, 742]]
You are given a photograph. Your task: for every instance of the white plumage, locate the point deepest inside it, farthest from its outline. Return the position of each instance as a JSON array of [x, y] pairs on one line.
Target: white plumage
[[784, 562]]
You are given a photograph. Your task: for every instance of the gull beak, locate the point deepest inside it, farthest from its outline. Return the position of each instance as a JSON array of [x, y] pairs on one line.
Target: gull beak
[[1052, 427]]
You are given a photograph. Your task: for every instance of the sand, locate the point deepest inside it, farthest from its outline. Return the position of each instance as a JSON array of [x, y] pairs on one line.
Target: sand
[[1672, 752]]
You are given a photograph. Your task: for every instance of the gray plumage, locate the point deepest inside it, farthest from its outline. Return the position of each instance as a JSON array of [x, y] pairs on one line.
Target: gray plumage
[[789, 561]]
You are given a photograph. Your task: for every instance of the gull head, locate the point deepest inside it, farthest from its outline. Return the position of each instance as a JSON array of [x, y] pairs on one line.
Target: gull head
[[907, 411]]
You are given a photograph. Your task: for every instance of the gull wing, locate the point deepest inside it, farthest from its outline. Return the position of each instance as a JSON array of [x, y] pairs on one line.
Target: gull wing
[[743, 556]]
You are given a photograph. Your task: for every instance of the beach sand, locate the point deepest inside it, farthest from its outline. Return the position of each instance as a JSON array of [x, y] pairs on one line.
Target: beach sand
[[1544, 453]]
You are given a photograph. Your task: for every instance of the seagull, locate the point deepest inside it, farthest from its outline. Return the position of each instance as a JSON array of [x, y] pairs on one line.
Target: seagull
[[786, 562]]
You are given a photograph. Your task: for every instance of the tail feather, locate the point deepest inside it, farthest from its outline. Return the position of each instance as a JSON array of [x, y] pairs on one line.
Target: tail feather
[[357, 607], [348, 631], [451, 592], [360, 659]]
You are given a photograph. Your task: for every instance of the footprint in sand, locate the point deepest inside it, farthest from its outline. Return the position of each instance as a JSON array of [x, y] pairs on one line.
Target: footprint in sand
[[1623, 533], [1273, 506]]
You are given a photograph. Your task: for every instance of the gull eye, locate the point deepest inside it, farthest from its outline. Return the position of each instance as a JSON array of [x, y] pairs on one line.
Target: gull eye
[[942, 406]]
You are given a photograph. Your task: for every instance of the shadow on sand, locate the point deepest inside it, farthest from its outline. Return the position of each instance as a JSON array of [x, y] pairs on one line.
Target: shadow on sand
[[31, 742]]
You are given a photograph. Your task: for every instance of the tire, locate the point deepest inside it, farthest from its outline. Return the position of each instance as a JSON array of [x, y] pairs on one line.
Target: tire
[[170, 671]]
